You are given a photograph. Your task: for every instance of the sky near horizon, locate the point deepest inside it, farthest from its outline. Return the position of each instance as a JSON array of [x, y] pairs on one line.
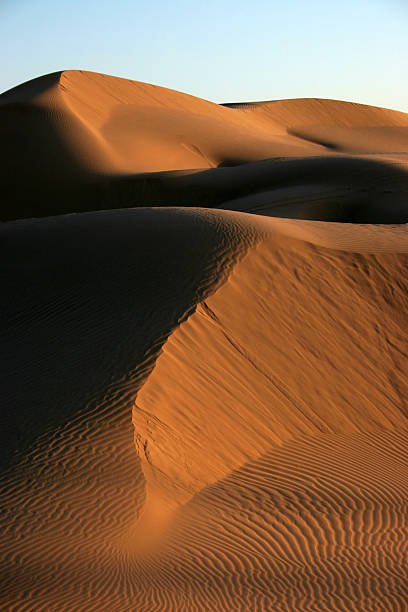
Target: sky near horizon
[[221, 50]]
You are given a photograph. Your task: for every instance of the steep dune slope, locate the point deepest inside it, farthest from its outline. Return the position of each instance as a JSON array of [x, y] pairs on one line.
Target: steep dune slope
[[90, 300], [267, 444], [201, 409], [278, 412], [291, 346]]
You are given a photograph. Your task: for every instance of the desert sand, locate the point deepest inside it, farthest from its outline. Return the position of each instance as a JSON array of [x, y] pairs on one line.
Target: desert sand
[[204, 342]]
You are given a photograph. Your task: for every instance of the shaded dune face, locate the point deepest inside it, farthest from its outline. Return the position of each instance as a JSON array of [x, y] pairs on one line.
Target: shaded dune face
[[263, 466], [201, 408], [86, 141], [90, 304], [337, 188], [91, 290]]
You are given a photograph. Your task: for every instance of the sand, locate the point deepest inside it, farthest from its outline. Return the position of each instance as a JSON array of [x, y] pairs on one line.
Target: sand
[[77, 141], [204, 398]]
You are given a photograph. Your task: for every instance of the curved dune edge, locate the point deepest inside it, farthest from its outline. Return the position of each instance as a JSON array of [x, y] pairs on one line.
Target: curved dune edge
[[88, 141], [137, 127], [82, 331], [283, 345], [74, 539], [276, 417]]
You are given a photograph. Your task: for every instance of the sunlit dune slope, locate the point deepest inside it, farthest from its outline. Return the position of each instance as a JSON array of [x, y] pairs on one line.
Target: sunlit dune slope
[[343, 126], [256, 463], [292, 345], [202, 408], [76, 140], [139, 127], [278, 415], [73, 127]]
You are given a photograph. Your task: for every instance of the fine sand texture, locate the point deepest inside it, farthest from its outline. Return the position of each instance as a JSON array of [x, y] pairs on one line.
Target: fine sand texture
[[204, 397]]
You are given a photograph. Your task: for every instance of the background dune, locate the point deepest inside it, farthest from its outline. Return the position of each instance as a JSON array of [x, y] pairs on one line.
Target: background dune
[[343, 126], [202, 408], [75, 141]]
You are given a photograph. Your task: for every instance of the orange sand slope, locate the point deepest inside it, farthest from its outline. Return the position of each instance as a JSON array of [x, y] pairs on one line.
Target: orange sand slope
[[75, 141], [204, 391], [263, 463]]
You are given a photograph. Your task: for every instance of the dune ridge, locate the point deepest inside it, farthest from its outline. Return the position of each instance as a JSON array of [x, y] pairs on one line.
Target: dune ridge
[[291, 295], [286, 452], [118, 143], [204, 394], [80, 340], [232, 484]]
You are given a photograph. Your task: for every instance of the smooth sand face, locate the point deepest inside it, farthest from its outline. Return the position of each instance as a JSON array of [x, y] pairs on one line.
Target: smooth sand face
[[202, 409], [76, 141]]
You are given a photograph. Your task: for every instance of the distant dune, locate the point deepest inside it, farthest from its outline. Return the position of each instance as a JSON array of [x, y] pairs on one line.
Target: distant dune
[[204, 394], [76, 141]]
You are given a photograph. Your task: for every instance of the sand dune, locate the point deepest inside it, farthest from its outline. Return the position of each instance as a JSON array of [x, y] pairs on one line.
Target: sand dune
[[82, 330], [318, 524], [295, 300], [98, 126], [86, 141], [234, 425], [202, 408]]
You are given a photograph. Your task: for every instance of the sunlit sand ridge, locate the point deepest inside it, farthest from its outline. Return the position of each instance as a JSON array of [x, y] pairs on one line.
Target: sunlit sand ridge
[[117, 143], [202, 409]]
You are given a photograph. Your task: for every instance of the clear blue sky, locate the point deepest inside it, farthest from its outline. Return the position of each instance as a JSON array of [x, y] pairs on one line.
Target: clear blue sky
[[221, 50]]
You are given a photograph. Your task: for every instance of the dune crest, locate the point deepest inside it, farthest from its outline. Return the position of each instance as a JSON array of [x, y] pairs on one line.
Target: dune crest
[[223, 393], [204, 391], [88, 141], [81, 332]]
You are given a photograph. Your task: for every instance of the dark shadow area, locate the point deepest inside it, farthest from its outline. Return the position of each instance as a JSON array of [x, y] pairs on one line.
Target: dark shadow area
[[37, 171], [353, 189], [33, 87], [88, 302], [372, 190]]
